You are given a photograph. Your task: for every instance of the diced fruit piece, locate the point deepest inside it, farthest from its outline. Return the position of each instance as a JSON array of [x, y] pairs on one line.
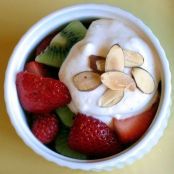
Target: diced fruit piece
[[131, 129], [52, 56], [97, 63], [92, 137], [71, 34], [36, 68], [117, 80], [63, 148], [66, 116], [87, 80], [45, 127], [44, 43], [111, 97], [115, 59], [133, 59], [144, 80], [59, 40], [60, 45], [40, 94]]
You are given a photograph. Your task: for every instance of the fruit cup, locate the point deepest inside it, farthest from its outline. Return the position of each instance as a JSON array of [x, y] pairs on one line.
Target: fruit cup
[[47, 25]]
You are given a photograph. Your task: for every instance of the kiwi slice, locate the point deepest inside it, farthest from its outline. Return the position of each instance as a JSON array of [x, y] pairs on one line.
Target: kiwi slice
[[61, 44], [66, 116], [62, 147]]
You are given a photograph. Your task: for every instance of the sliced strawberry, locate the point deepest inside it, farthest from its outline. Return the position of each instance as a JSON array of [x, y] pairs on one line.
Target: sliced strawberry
[[92, 137], [131, 129], [36, 68], [39, 94], [44, 43]]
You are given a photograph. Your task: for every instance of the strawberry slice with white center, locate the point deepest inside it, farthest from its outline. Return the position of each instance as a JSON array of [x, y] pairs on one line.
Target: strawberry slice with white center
[[131, 129]]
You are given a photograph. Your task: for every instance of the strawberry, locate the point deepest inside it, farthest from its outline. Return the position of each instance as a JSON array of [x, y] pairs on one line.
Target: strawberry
[[36, 68], [44, 43], [45, 127], [92, 137], [131, 129], [40, 94]]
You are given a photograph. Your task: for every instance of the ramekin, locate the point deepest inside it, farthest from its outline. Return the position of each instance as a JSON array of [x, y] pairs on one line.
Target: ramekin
[[29, 41]]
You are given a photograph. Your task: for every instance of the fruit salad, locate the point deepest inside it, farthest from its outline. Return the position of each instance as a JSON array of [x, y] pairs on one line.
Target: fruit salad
[[90, 91]]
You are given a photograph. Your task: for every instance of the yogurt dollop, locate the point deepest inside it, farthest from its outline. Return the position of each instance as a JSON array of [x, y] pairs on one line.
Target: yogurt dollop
[[101, 35]]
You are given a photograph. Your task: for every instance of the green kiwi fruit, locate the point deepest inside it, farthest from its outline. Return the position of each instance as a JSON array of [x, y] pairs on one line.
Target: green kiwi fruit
[[61, 146], [66, 116], [60, 45]]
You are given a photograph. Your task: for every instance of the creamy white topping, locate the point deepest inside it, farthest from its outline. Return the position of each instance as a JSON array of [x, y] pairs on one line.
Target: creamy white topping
[[101, 35]]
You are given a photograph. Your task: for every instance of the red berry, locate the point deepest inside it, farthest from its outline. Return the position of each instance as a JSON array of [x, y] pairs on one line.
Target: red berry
[[44, 43], [39, 94], [45, 128], [92, 137], [36, 68], [131, 129]]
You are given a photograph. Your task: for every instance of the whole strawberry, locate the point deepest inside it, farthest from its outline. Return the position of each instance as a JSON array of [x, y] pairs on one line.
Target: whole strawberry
[[45, 127], [92, 137], [40, 94]]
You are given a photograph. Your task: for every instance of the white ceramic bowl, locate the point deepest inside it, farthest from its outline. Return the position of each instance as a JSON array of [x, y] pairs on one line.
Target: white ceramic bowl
[[29, 42]]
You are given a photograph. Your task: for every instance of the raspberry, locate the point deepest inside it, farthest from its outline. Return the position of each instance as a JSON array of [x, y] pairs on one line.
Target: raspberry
[[45, 127]]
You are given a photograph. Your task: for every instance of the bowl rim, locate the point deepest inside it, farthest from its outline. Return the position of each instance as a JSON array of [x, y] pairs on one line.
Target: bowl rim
[[118, 160]]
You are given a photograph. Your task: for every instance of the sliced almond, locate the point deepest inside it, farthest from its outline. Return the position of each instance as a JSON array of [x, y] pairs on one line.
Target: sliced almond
[[131, 87], [144, 80], [100, 65], [110, 98], [97, 63], [115, 59], [117, 80], [133, 59], [86, 81]]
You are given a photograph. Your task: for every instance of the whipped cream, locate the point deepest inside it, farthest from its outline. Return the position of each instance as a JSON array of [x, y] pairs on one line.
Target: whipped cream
[[101, 35]]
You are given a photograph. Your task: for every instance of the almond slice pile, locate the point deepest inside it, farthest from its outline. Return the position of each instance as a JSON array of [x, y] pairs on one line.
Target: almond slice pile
[[116, 80], [110, 72]]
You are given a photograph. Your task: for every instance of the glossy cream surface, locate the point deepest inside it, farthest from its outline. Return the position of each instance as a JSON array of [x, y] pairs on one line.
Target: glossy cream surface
[[101, 35]]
